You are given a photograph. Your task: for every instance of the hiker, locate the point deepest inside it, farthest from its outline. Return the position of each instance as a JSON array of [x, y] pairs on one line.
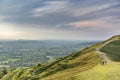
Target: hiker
[[105, 62]]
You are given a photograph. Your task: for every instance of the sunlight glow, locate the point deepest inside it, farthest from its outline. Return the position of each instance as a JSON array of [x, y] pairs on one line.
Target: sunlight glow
[[7, 30]]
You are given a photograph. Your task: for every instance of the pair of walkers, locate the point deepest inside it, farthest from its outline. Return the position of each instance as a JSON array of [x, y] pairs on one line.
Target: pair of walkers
[[103, 62]]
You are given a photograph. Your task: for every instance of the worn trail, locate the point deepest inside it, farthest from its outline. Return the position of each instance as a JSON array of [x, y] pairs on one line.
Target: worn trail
[[102, 54]]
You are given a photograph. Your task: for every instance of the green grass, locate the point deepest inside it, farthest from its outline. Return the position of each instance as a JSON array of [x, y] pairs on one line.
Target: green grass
[[70, 73], [112, 50], [2, 73], [107, 72], [80, 65], [110, 71], [67, 67]]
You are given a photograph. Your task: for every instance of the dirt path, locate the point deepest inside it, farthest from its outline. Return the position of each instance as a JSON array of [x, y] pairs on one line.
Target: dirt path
[[102, 54]]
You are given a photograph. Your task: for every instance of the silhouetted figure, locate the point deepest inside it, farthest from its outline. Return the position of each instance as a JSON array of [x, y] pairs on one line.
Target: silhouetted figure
[[105, 62]]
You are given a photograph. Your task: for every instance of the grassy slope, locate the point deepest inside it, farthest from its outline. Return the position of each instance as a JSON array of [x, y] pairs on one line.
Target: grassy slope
[[74, 63], [67, 68], [99, 72], [2, 73], [110, 71], [82, 63], [107, 72], [112, 50]]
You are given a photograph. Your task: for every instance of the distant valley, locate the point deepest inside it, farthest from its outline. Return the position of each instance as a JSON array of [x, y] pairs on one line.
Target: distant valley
[[83, 64], [25, 53]]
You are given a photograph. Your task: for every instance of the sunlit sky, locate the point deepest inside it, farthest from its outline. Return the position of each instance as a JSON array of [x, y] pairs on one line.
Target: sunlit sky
[[59, 19]]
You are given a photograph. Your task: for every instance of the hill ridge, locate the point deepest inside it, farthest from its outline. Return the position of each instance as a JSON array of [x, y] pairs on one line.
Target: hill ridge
[[102, 54], [63, 68]]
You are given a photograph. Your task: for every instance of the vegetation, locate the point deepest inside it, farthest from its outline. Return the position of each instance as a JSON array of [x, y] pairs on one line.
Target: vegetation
[[2, 73], [74, 63], [26, 53], [112, 50], [100, 72], [80, 65], [107, 72]]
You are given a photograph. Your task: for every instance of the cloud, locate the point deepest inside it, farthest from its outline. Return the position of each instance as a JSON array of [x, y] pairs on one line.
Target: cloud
[[77, 12], [3, 17], [60, 18], [7, 31], [93, 23], [106, 21], [50, 7]]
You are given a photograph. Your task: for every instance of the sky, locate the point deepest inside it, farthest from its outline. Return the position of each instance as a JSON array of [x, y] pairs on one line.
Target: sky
[[59, 19]]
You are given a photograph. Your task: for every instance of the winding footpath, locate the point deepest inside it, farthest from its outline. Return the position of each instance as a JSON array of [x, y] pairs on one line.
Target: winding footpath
[[102, 54]]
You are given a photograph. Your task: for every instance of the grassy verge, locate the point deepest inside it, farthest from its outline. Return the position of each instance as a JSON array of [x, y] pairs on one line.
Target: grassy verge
[[107, 72], [112, 50]]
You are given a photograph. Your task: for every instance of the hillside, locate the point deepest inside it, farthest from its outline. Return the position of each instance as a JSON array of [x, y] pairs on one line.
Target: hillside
[[112, 50], [110, 71], [73, 66]]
